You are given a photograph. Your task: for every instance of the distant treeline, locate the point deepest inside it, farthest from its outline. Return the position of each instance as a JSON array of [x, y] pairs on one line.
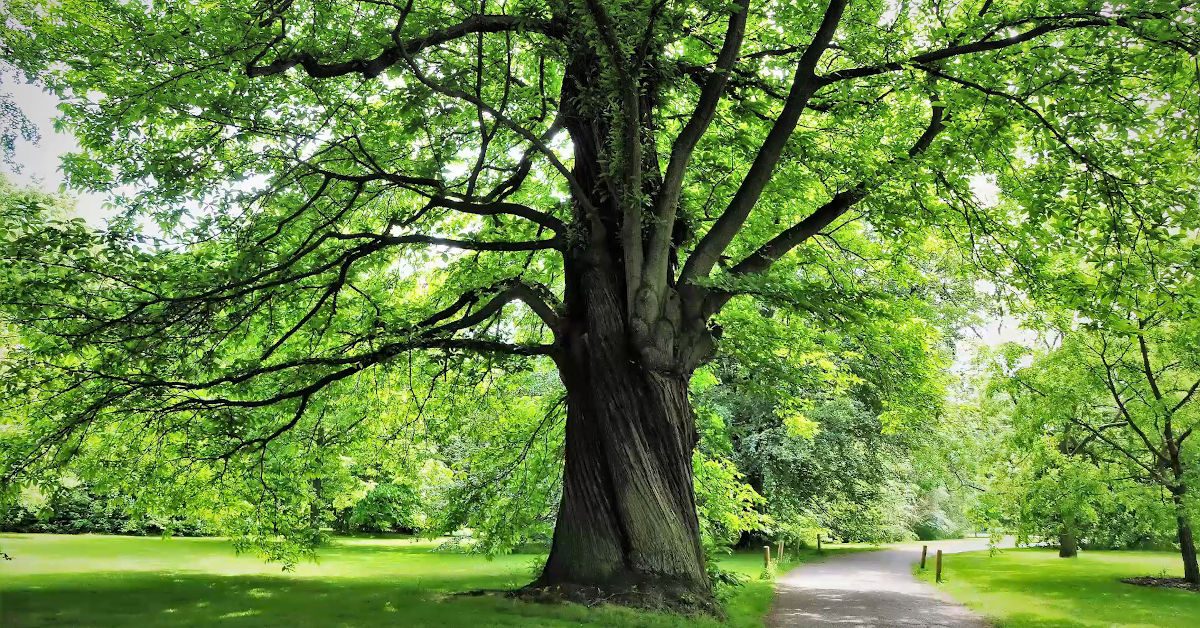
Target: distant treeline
[[77, 509]]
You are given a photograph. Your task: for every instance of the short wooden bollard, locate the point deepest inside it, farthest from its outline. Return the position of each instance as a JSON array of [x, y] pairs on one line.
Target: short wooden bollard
[[766, 557], [779, 552], [818, 543], [939, 566], [924, 552]]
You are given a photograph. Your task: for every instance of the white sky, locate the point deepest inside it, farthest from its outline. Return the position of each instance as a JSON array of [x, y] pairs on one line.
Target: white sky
[[40, 162], [994, 331]]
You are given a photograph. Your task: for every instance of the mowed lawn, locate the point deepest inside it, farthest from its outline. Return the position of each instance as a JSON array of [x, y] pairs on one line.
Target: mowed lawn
[[91, 580], [1035, 588]]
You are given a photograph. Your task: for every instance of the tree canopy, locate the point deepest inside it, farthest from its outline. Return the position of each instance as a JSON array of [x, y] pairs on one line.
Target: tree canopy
[[335, 212]]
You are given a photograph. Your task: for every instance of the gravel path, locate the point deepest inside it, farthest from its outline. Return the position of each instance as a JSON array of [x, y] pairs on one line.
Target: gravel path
[[871, 589]]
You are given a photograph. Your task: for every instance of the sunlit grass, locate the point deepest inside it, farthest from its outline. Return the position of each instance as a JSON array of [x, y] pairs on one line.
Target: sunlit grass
[[131, 581], [1036, 588]]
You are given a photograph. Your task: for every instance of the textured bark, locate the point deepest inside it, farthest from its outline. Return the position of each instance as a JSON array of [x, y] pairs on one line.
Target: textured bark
[[627, 529]]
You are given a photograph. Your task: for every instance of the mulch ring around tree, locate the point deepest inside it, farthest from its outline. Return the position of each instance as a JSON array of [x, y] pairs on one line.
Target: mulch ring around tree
[[1170, 583]]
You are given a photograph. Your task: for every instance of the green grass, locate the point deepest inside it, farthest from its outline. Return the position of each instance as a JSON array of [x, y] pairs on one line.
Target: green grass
[[1036, 588], [131, 581]]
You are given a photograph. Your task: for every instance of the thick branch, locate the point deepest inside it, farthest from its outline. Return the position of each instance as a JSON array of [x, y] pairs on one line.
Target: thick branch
[[1044, 25], [542, 301], [496, 208], [538, 297], [631, 140], [767, 254], [667, 202], [804, 84], [373, 67], [1146, 368], [469, 245], [1186, 397]]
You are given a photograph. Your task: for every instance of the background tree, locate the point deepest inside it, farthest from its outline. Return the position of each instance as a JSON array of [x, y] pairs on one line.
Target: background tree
[[1140, 408], [1093, 448], [826, 405], [1044, 484], [337, 185]]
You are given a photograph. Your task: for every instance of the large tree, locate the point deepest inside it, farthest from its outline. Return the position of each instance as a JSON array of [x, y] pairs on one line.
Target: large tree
[[334, 185]]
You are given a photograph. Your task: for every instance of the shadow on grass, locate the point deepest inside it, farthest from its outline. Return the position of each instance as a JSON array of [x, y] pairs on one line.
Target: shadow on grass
[[165, 599], [120, 581]]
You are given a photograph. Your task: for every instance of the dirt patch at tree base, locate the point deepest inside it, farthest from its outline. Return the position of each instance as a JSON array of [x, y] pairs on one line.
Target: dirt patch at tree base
[[1169, 583], [646, 597]]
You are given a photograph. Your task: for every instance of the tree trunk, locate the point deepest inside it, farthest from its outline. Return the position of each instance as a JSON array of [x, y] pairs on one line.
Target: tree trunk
[[627, 529], [1068, 545], [314, 507], [1187, 542]]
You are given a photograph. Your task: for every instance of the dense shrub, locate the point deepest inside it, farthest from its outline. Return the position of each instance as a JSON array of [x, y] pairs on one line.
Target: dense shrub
[[389, 507], [73, 508]]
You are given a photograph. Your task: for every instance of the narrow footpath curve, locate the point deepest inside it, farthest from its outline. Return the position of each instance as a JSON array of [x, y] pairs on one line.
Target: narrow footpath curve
[[871, 589]]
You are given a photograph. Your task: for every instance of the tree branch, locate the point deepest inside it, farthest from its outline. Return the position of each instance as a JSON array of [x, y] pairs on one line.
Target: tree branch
[[370, 68], [1128, 454], [495, 208], [536, 296], [1041, 118], [577, 189], [770, 252], [804, 84], [1111, 384], [469, 245], [1147, 370], [667, 202], [1186, 397], [425, 335], [1044, 25], [631, 142]]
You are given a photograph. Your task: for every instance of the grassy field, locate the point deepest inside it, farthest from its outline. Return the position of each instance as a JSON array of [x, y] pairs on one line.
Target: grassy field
[[131, 581], [1035, 588]]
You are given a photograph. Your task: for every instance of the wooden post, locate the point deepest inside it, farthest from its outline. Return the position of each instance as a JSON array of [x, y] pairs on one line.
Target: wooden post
[[939, 565], [779, 552], [766, 557], [818, 542], [924, 552]]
